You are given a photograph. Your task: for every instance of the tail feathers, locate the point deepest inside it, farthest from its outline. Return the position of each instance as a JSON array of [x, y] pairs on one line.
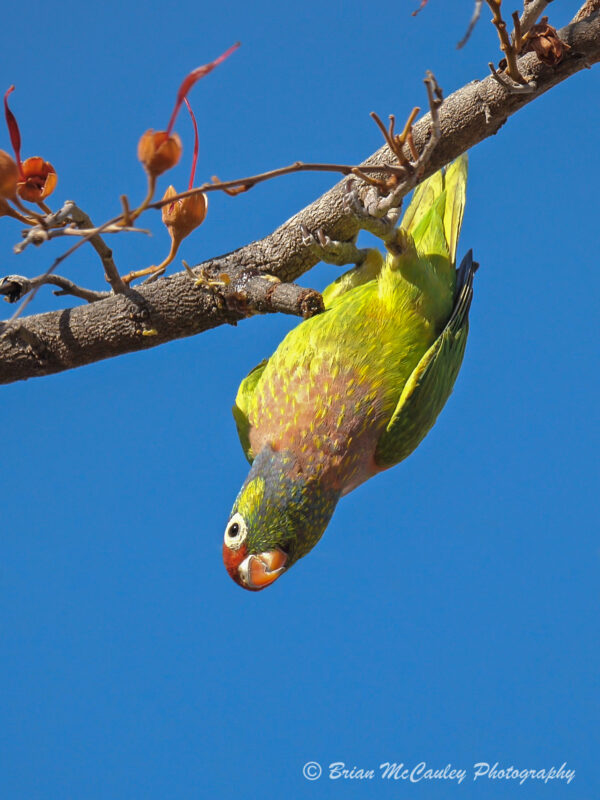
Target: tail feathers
[[464, 292], [434, 216]]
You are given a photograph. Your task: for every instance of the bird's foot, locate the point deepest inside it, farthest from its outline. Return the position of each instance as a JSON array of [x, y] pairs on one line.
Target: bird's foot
[[372, 213], [332, 251]]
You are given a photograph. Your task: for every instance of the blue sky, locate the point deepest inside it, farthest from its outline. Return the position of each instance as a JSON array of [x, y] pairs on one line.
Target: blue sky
[[449, 614]]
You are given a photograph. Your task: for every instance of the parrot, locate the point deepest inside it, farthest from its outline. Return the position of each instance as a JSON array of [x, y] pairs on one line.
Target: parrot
[[353, 390]]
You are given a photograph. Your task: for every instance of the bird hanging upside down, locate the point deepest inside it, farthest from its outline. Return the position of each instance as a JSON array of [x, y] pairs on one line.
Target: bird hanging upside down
[[354, 390]]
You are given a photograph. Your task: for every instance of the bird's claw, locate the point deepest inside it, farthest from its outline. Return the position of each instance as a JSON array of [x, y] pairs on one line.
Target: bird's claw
[[317, 239], [375, 214], [330, 250]]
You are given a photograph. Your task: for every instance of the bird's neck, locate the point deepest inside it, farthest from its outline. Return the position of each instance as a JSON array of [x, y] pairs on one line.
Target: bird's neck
[[304, 497]]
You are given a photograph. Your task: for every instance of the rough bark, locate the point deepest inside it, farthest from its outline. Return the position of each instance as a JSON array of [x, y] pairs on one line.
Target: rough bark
[[174, 307]]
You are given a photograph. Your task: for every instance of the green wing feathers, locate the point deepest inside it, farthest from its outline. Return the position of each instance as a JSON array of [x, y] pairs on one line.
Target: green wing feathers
[[431, 383], [430, 229], [241, 409], [434, 216], [456, 195]]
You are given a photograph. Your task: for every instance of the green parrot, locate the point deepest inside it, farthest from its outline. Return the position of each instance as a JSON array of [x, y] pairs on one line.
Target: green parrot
[[354, 390]]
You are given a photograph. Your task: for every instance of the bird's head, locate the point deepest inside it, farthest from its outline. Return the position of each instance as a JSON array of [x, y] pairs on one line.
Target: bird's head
[[278, 516]]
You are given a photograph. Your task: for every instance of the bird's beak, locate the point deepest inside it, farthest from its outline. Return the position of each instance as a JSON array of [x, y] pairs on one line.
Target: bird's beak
[[256, 572]]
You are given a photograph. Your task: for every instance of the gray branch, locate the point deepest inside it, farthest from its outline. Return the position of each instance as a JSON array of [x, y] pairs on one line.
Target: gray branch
[[174, 307]]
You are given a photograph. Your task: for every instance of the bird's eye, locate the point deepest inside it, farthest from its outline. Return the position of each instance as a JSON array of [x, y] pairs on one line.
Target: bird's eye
[[235, 532]]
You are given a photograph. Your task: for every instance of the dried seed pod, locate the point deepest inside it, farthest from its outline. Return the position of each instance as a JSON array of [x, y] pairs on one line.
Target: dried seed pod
[[9, 175], [183, 216], [158, 151], [543, 39]]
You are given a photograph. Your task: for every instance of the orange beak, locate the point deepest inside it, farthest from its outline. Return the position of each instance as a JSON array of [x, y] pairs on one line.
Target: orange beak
[[256, 572]]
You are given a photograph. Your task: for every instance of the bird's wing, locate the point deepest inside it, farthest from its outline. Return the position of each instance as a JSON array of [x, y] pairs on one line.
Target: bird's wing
[[243, 403], [443, 195], [431, 382]]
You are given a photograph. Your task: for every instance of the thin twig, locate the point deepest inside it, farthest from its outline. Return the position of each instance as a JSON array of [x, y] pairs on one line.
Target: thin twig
[[58, 261], [397, 141], [506, 45], [532, 10], [133, 215], [6, 210], [473, 21], [82, 220], [435, 99], [154, 271], [517, 34], [38, 235], [510, 85], [379, 206], [420, 8], [126, 216], [297, 166], [15, 287], [26, 211], [92, 231]]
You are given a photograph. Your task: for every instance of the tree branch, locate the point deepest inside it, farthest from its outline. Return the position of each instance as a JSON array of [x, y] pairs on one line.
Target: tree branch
[[175, 307]]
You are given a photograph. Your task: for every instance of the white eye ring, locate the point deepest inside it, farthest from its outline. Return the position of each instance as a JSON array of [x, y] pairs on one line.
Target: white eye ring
[[235, 532]]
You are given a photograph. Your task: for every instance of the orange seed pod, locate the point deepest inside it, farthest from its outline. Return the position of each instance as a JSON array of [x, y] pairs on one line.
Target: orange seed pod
[[38, 179], [158, 151], [9, 175], [183, 216]]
